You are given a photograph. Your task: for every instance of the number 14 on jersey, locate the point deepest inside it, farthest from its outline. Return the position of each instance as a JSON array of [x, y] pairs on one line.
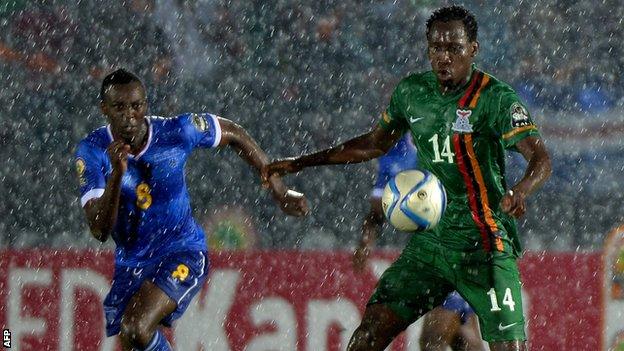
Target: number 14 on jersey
[[444, 152]]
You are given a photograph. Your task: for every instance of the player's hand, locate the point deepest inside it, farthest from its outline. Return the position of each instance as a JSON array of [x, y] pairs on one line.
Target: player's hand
[[360, 256], [280, 168], [118, 153], [293, 203], [513, 203]]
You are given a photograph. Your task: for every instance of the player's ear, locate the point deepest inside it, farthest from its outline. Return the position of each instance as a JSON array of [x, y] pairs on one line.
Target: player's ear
[[474, 48], [103, 107]]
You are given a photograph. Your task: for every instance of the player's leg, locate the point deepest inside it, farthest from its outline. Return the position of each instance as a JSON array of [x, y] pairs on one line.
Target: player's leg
[[379, 326], [492, 287], [469, 338], [409, 288], [163, 298], [516, 345], [142, 316], [440, 328]]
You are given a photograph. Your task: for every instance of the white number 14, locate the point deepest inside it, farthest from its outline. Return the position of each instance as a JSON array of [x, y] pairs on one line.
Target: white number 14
[[507, 300], [446, 149]]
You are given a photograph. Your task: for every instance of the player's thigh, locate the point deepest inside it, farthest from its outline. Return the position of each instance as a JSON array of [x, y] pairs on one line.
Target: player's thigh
[[126, 283], [469, 335], [382, 323], [440, 326], [181, 276], [412, 285], [147, 307], [493, 289]]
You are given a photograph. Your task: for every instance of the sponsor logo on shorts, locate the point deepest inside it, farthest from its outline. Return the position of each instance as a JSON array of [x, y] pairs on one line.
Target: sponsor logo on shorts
[[502, 327]]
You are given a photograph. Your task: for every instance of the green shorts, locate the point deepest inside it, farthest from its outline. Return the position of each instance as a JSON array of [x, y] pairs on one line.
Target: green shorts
[[426, 272]]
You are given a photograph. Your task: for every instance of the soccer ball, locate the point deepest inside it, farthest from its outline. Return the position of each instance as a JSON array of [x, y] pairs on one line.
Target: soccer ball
[[414, 201]]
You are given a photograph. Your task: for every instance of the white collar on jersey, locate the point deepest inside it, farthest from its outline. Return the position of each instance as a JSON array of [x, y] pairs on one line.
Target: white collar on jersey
[[149, 138]]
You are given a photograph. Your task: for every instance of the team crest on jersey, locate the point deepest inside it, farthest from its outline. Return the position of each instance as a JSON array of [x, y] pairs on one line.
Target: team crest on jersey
[[199, 122], [80, 169], [462, 123], [519, 115]]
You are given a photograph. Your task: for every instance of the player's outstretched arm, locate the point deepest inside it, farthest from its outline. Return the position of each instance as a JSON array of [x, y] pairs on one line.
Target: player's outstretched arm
[[291, 202], [359, 149], [370, 230], [102, 212], [537, 172]]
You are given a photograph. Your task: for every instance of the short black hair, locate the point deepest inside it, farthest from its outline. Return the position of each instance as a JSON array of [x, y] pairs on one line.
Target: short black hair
[[455, 13], [120, 76]]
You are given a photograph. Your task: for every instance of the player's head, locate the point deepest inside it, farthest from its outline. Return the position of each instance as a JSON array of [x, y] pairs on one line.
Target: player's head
[[123, 101], [452, 43]]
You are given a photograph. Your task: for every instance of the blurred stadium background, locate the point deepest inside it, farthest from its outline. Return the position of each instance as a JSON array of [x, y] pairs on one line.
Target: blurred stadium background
[[299, 76]]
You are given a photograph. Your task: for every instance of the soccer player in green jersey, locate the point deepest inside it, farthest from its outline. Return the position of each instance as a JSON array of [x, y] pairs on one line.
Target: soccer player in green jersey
[[462, 120]]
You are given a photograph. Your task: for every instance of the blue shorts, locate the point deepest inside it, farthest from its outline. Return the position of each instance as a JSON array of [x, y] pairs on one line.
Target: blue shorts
[[180, 275], [455, 303]]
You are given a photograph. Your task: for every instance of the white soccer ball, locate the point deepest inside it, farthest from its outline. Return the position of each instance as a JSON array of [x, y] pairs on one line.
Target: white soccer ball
[[414, 200]]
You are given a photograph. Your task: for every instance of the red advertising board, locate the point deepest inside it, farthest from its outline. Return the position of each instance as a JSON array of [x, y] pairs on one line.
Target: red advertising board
[[305, 301]]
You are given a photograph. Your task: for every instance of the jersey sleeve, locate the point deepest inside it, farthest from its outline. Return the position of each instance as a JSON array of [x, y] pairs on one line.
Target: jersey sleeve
[[200, 130], [393, 118], [513, 121], [90, 171]]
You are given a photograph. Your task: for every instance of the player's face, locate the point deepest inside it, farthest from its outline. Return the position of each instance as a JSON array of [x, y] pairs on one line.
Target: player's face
[[450, 52], [125, 106]]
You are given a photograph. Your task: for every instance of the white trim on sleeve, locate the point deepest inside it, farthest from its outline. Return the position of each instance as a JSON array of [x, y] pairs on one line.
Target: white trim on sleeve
[[91, 194], [217, 138]]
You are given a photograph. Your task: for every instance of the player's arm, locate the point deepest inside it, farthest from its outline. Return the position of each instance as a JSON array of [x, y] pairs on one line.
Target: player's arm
[[102, 212], [370, 230], [537, 172], [359, 149], [235, 136]]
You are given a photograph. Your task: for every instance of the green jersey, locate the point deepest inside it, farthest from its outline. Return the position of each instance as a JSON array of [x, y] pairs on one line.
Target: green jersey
[[461, 138]]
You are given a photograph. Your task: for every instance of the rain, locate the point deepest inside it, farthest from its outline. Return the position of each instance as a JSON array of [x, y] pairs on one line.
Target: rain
[[301, 76]]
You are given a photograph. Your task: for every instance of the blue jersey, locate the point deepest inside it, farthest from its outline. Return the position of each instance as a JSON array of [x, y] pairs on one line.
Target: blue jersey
[[400, 157], [154, 217]]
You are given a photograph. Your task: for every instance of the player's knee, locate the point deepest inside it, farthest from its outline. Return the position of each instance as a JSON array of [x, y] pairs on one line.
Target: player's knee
[[368, 337], [362, 339], [431, 341], [135, 332]]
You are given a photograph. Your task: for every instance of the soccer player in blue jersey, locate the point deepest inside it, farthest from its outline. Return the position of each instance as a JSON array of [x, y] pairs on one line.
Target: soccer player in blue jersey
[[452, 324], [132, 188]]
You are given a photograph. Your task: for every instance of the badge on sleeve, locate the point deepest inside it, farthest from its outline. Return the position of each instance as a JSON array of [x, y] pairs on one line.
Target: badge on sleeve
[[80, 169], [386, 117], [519, 115], [199, 122]]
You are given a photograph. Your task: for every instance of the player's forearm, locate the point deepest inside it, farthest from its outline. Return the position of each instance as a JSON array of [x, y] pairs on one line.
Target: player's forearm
[[538, 171], [244, 145], [370, 231], [371, 228], [359, 149], [249, 150], [102, 215]]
